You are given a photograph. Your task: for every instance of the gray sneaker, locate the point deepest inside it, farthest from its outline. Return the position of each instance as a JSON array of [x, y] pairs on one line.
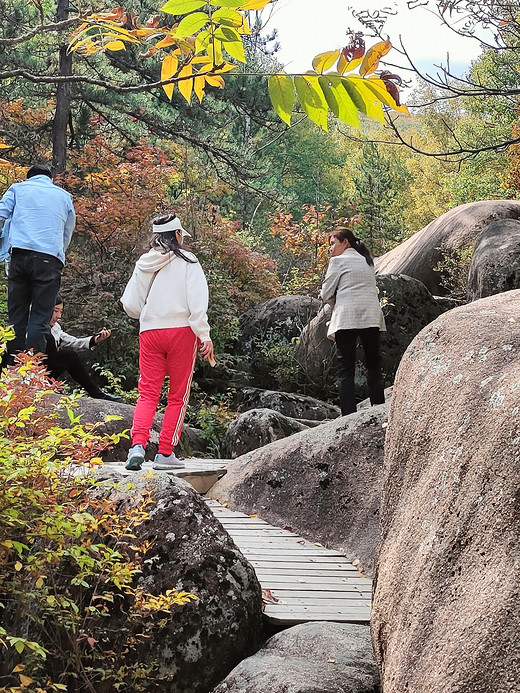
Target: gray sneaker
[[135, 458], [167, 462]]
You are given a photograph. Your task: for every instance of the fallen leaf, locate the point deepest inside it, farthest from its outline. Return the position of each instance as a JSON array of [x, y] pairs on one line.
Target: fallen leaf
[[254, 515], [288, 528], [268, 596], [356, 562]]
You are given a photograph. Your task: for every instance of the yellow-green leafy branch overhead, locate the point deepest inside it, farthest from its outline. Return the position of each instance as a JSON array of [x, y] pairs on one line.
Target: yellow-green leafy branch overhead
[[207, 42]]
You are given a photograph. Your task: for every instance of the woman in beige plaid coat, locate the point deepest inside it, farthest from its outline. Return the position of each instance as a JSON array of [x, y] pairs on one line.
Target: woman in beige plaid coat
[[350, 285]]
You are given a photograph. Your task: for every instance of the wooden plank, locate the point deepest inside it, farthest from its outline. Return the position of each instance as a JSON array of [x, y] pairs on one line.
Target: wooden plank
[[318, 572], [269, 532], [348, 592], [341, 608], [314, 552], [319, 608], [262, 550], [282, 540], [315, 568], [241, 521], [350, 600], [296, 561], [276, 586], [340, 581], [279, 547], [292, 618]]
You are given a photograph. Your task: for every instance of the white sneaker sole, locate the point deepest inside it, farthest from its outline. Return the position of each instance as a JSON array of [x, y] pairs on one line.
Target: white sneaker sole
[[165, 467]]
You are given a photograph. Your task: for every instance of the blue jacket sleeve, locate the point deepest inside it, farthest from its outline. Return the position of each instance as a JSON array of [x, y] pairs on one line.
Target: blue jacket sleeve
[[7, 204], [69, 226]]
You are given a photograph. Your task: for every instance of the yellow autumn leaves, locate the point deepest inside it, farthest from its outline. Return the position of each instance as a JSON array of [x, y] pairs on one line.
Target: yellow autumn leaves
[[207, 42], [202, 43]]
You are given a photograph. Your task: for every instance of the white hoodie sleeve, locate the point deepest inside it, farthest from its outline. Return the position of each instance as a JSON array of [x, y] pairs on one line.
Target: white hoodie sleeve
[[68, 341], [198, 297], [136, 292]]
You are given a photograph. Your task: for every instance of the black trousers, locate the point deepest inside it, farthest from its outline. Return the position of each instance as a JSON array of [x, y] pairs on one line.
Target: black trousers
[[61, 361], [346, 341], [33, 283]]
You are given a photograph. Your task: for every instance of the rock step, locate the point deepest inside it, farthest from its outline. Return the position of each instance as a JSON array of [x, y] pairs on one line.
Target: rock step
[[301, 581], [200, 473]]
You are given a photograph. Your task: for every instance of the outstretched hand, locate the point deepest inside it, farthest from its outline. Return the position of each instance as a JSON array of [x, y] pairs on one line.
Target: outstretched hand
[[101, 336]]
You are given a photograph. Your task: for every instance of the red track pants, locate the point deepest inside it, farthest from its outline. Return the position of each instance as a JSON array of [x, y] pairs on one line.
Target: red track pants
[[169, 352]]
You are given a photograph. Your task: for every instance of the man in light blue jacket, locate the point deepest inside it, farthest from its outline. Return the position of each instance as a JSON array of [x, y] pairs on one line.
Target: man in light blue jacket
[[40, 218]]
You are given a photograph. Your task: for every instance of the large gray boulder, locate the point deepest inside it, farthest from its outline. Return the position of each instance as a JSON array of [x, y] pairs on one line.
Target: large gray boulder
[[289, 404], [495, 264], [458, 228], [255, 428], [266, 339], [315, 355], [324, 482], [98, 413], [447, 589], [310, 658], [200, 642], [287, 315], [407, 305]]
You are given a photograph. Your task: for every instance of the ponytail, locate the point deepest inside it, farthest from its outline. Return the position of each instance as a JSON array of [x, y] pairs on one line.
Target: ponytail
[[342, 233]]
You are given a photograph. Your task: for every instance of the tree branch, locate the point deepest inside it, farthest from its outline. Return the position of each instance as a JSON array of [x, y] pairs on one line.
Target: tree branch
[[41, 28]]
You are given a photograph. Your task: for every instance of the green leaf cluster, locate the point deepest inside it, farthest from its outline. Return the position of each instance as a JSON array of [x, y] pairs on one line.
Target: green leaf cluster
[[345, 96]]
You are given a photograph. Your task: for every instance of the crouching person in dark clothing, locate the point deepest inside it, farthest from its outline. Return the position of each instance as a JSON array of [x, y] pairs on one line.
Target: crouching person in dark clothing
[[62, 354]]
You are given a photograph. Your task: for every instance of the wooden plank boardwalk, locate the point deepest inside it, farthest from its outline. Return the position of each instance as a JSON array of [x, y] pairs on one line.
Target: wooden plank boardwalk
[[301, 581]]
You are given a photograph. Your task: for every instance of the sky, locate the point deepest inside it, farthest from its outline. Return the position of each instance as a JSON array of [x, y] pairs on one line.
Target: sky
[[308, 27]]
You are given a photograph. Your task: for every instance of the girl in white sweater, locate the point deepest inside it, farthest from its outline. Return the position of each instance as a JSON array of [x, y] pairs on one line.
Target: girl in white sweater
[[168, 293]]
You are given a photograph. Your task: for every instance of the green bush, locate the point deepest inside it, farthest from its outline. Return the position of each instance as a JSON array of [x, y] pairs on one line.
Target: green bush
[[68, 557], [273, 363], [454, 269]]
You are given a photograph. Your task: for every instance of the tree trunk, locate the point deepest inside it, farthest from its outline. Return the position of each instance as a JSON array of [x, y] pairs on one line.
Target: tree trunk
[[62, 114]]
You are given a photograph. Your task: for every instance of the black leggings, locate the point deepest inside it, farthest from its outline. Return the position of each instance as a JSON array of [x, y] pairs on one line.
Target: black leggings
[[60, 361], [346, 341]]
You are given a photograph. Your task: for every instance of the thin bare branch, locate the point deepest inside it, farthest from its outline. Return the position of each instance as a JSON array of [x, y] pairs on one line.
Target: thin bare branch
[[40, 29]]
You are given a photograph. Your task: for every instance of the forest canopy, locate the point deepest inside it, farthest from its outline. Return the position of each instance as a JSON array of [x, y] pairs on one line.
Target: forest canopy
[[186, 107]]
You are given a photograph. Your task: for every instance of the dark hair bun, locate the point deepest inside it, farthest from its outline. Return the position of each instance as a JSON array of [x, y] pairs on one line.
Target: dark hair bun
[[163, 219]]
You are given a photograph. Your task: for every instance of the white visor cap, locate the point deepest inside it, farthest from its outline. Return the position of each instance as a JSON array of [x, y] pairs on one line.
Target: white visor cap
[[173, 225]]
